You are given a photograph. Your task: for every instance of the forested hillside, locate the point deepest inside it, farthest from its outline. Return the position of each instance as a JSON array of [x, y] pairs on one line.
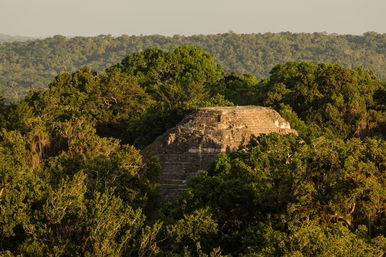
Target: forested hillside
[[33, 64], [9, 38], [73, 181]]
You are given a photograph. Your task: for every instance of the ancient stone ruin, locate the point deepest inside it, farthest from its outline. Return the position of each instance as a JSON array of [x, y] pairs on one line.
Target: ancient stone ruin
[[188, 148]]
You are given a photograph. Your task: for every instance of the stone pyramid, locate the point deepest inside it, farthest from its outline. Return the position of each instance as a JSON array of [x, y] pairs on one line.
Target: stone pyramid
[[188, 148]]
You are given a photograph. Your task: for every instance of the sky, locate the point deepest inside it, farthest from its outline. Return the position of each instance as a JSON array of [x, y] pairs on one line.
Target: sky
[[43, 18]]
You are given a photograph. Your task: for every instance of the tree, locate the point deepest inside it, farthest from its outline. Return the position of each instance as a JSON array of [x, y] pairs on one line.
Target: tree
[[281, 185], [333, 97], [241, 90], [183, 65]]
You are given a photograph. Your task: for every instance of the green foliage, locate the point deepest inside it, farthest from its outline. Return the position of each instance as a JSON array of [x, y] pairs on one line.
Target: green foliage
[[241, 90], [20, 189], [339, 100], [194, 226], [131, 100], [312, 240], [80, 203], [33, 64], [281, 183], [177, 82], [70, 185], [67, 191], [183, 65], [116, 101]]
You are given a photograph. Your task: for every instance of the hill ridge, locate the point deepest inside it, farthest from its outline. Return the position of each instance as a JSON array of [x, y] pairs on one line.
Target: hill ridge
[[33, 64]]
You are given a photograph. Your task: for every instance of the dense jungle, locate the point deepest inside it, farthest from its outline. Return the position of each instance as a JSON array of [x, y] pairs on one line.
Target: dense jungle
[[76, 113]]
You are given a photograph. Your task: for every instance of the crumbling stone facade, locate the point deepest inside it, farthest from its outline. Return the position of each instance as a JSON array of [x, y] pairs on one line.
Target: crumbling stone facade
[[188, 148]]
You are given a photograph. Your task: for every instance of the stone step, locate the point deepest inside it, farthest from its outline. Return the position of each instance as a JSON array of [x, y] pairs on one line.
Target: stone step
[[173, 182], [206, 132]]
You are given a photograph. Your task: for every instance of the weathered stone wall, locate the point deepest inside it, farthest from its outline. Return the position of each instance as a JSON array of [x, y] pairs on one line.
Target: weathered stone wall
[[188, 148]]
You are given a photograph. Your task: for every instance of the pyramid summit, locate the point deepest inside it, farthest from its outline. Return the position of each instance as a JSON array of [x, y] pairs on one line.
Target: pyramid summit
[[189, 147]]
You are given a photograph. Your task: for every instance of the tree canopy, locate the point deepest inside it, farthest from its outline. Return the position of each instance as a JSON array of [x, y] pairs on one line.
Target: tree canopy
[[73, 181], [34, 63]]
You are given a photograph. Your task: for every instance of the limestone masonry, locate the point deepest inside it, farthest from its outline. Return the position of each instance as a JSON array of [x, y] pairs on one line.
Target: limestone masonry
[[188, 148]]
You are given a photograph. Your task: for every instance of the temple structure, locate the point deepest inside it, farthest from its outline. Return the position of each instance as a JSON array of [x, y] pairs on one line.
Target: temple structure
[[188, 148]]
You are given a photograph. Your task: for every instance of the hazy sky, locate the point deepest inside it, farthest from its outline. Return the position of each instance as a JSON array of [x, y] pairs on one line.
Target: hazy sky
[[40, 18]]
